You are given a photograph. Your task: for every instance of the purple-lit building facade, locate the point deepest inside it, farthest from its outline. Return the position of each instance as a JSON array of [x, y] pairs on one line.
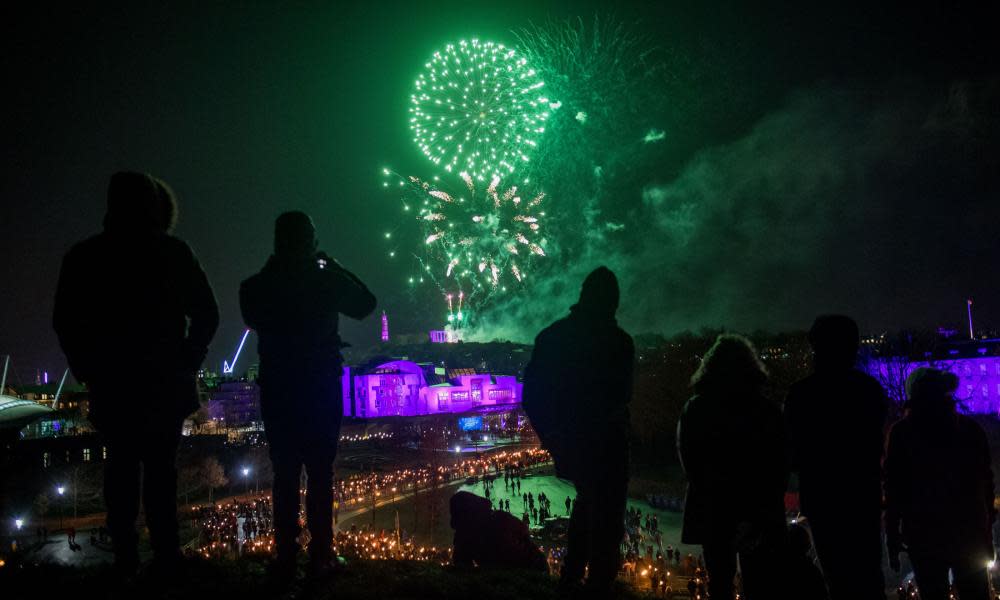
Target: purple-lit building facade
[[976, 363], [235, 404], [405, 388]]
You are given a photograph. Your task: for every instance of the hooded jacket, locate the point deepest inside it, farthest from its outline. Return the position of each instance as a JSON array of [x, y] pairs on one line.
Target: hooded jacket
[[131, 302], [578, 385]]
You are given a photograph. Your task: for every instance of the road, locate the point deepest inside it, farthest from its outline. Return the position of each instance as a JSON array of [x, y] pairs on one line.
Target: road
[[56, 550]]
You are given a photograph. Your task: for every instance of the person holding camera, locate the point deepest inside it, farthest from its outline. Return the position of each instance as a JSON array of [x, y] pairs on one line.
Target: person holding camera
[[294, 304]]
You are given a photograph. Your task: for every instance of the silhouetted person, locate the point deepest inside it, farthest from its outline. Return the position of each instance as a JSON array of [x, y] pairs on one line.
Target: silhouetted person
[[491, 538], [577, 388], [802, 578], [836, 419], [732, 447], [133, 301], [294, 304], [939, 491]]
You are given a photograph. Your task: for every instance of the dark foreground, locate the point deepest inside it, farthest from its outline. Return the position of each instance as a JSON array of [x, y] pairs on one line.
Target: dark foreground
[[245, 580]]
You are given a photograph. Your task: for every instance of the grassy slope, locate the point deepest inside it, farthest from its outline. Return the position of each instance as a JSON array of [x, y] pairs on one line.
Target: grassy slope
[[245, 580]]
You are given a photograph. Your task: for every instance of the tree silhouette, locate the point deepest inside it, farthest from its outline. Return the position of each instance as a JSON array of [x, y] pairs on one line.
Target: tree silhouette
[[212, 475]]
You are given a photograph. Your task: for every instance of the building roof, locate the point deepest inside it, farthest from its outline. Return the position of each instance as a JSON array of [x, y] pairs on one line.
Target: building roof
[[458, 372], [16, 413], [968, 349]]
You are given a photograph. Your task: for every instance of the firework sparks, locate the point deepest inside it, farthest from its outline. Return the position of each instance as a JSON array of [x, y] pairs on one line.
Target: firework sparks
[[475, 234], [478, 108]]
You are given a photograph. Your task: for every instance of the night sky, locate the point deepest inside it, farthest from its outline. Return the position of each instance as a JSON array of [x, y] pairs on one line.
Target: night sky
[[840, 160]]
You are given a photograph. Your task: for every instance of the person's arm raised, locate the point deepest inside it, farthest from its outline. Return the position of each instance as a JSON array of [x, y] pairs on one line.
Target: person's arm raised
[[353, 297]]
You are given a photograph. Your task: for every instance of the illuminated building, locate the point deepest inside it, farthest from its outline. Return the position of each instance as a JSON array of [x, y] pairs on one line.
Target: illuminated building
[[405, 388], [235, 404], [448, 335], [976, 363]]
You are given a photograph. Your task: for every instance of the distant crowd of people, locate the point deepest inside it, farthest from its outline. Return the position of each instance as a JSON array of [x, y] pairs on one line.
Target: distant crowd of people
[[358, 489], [665, 502], [738, 446], [233, 528]]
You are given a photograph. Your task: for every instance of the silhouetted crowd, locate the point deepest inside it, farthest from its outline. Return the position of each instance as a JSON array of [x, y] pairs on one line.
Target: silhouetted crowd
[[134, 285], [738, 449]]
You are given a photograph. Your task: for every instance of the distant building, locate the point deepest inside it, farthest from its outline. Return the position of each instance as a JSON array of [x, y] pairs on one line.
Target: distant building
[[17, 413], [235, 405], [207, 378], [405, 388], [975, 362], [448, 335], [71, 416]]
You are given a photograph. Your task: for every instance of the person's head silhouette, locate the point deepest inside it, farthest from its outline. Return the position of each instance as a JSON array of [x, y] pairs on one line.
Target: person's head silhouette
[[731, 363], [930, 392], [834, 340], [599, 294], [134, 204], [294, 235]]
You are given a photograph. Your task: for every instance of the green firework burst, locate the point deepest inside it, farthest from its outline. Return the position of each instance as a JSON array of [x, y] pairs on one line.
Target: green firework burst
[[478, 108]]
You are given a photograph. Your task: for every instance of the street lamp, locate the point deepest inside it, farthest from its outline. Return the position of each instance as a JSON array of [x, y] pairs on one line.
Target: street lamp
[[19, 523], [61, 490], [246, 480]]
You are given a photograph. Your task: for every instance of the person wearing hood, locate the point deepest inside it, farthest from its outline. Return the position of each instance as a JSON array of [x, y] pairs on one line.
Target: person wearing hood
[[939, 491], [731, 443], [294, 304], [577, 388], [134, 299]]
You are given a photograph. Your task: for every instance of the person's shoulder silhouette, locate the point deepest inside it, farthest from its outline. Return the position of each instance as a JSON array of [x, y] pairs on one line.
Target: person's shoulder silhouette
[[134, 271], [836, 390]]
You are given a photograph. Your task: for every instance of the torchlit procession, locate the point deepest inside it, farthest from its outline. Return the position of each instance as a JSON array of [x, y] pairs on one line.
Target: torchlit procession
[[245, 526]]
